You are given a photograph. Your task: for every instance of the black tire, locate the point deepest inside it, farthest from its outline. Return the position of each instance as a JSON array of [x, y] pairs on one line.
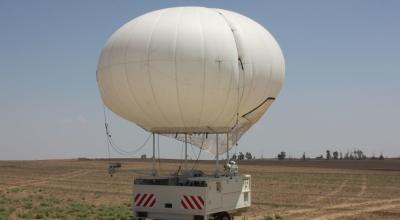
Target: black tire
[[223, 216]]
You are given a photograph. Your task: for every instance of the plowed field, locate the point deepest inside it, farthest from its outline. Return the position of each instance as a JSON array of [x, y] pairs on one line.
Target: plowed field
[[72, 189]]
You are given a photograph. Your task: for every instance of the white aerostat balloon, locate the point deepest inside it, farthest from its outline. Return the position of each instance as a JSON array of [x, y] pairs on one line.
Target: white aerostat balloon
[[191, 70]]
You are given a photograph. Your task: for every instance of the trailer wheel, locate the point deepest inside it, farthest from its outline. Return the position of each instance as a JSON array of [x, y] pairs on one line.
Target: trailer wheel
[[223, 216]]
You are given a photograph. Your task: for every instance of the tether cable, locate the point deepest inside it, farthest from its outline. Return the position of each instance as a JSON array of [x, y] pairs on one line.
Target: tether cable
[[111, 143]]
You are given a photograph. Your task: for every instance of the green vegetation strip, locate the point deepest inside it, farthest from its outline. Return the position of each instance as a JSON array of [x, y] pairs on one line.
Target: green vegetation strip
[[49, 207]]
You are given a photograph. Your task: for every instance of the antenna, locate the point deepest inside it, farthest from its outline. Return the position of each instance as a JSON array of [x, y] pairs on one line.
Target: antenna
[[186, 165], [227, 147], [217, 159], [154, 155]]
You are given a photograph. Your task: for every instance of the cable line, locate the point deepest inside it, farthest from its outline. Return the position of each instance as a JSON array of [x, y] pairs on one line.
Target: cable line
[[110, 141]]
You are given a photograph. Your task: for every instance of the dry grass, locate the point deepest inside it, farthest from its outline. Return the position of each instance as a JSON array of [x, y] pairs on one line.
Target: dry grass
[[70, 189]]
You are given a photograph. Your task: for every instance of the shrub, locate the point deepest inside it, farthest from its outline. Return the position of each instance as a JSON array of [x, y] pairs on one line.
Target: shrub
[[268, 218], [27, 203]]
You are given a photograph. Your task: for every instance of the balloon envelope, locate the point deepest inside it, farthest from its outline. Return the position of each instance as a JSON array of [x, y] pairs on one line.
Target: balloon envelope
[[191, 70]]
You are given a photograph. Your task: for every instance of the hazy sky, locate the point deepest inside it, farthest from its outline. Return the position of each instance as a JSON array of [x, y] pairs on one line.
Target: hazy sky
[[342, 86]]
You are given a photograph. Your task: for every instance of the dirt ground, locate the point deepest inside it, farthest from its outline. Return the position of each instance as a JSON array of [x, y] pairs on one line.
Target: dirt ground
[[280, 189]]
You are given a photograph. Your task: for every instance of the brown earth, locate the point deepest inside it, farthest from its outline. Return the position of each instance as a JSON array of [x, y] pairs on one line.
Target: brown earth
[[280, 189]]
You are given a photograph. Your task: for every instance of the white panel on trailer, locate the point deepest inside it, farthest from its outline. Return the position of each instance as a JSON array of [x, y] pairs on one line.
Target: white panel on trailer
[[164, 198]]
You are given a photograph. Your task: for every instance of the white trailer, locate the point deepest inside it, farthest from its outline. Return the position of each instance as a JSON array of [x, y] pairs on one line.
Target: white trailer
[[191, 198], [190, 194]]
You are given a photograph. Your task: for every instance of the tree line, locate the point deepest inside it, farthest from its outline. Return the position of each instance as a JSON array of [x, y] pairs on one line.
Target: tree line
[[242, 156], [356, 154]]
